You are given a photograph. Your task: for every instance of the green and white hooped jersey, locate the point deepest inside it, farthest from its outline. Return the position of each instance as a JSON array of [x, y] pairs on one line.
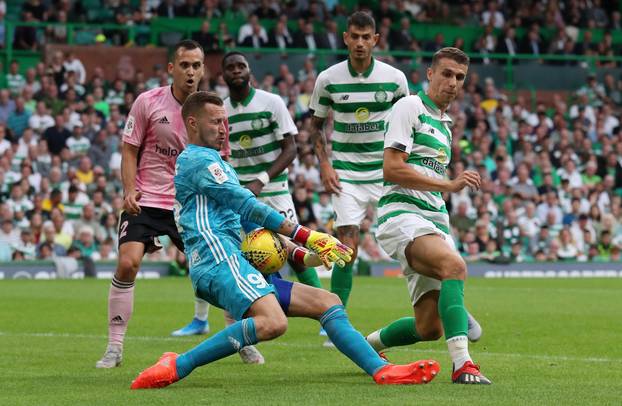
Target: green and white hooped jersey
[[361, 104], [256, 128], [417, 128]]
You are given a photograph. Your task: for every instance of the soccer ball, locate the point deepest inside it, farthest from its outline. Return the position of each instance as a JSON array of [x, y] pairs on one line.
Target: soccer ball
[[264, 250]]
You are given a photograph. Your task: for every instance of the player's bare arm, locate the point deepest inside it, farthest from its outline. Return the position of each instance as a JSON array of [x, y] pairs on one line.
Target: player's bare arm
[[129, 163], [397, 170], [285, 158], [330, 180]]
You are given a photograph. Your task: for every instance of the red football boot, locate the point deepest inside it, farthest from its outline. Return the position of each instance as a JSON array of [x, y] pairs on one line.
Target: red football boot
[[419, 372], [469, 374], [162, 374]]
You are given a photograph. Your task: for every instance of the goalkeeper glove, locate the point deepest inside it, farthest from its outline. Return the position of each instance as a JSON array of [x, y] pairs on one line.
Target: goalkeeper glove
[[304, 257], [327, 247]]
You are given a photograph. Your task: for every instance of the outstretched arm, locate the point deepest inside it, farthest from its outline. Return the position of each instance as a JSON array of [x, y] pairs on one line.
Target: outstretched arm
[[216, 184]]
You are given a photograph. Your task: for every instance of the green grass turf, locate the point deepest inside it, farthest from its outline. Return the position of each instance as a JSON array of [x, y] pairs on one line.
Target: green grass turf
[[545, 342]]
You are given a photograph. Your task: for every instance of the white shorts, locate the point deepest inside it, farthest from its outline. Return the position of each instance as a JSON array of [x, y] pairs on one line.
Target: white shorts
[[395, 234], [283, 204], [351, 204]]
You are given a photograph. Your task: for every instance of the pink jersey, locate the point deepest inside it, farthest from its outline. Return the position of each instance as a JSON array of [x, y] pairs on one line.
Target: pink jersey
[[156, 127]]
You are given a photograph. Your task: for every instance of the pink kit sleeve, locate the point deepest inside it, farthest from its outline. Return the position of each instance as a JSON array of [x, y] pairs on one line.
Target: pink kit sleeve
[[136, 125]]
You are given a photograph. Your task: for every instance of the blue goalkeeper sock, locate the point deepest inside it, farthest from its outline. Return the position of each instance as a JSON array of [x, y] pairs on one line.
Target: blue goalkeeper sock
[[221, 345], [349, 341]]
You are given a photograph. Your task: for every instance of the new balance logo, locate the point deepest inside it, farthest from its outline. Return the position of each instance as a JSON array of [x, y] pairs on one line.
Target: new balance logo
[[345, 97], [117, 320], [164, 120]]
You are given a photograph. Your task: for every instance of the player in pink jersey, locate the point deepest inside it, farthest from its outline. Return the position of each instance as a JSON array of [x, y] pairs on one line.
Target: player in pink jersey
[[153, 137]]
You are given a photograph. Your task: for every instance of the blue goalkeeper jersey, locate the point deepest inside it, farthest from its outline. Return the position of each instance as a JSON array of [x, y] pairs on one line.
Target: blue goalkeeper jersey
[[209, 204]]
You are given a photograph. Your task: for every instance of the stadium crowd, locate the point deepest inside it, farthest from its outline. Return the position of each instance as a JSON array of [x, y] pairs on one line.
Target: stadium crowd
[[552, 176], [315, 23]]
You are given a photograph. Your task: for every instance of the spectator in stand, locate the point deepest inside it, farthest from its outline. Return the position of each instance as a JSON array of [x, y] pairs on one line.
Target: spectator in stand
[[73, 64], [492, 15], [25, 247], [280, 37], [25, 37], [2, 27], [207, 39], [18, 119], [401, 38], [333, 36], [85, 172], [252, 31], [188, 8], [7, 106], [304, 209], [570, 172], [106, 252], [86, 242], [508, 44], [323, 211], [14, 79], [18, 201], [41, 119], [56, 137], [265, 10], [257, 37], [71, 83], [532, 43], [8, 235], [167, 9], [57, 33], [522, 183], [307, 38]]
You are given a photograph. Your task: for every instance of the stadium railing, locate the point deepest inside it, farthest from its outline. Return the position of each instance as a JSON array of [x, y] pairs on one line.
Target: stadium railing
[[509, 71]]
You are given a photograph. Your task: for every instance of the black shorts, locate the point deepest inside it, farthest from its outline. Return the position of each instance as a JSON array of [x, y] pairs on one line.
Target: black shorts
[[147, 226]]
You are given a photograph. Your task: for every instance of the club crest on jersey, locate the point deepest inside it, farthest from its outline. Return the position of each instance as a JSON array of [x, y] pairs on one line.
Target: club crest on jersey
[[246, 141], [442, 156], [218, 173], [361, 114], [257, 124], [381, 96]]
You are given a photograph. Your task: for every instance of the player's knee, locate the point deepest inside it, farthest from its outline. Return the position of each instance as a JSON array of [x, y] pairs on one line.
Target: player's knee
[[127, 269], [452, 267], [430, 331], [268, 328], [324, 301], [332, 300]]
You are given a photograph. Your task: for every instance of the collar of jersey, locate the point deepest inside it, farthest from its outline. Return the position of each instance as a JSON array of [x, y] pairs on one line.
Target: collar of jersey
[[246, 100], [365, 74], [428, 102]]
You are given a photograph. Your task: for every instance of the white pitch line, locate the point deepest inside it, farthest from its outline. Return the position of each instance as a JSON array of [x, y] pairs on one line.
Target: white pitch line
[[540, 357]]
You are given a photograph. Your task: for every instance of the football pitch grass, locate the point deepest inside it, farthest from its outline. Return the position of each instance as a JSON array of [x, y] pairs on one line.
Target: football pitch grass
[[546, 341]]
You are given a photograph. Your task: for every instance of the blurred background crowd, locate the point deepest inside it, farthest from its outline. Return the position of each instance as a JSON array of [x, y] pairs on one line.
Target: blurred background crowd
[[552, 172]]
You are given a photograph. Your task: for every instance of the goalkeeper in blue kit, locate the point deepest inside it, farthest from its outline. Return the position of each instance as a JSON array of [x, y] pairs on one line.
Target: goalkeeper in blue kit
[[210, 206]]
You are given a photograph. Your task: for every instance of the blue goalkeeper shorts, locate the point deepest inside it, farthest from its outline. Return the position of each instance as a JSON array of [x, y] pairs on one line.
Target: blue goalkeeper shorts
[[233, 285]]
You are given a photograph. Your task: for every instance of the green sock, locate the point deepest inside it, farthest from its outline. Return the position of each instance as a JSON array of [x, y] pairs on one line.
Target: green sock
[[400, 332], [341, 282], [451, 308], [309, 277]]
